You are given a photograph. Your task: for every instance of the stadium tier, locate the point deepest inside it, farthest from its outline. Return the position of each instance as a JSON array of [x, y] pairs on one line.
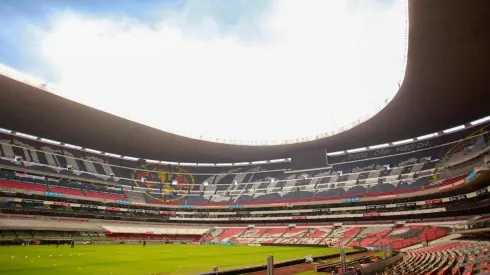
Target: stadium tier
[[67, 171], [333, 236], [401, 190], [453, 257], [398, 197], [398, 182]]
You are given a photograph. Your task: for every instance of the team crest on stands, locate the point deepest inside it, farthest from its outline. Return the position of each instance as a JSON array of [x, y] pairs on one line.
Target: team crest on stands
[[158, 177]]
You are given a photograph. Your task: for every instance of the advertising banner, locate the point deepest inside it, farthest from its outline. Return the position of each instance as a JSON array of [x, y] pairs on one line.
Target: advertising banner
[[351, 200], [65, 204], [371, 215], [53, 194], [436, 201]]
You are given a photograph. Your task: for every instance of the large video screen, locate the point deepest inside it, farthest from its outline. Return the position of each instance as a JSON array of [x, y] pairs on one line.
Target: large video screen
[[305, 159]]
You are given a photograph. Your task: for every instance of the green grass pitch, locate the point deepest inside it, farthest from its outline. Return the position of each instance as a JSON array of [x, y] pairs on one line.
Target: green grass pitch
[[162, 259]]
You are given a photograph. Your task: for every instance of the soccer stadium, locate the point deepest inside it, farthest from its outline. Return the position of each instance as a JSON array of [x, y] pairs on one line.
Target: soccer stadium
[[403, 190]]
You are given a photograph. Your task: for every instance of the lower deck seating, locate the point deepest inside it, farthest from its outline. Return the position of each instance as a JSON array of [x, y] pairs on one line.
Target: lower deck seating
[[312, 234], [52, 235], [399, 237], [342, 236], [254, 232], [284, 235], [452, 257], [157, 238], [403, 237], [230, 233]]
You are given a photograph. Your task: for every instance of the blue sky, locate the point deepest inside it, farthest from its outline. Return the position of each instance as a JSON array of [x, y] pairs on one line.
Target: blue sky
[[236, 70]]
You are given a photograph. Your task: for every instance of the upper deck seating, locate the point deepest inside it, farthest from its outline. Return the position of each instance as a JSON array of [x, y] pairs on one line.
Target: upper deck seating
[[22, 185], [391, 170]]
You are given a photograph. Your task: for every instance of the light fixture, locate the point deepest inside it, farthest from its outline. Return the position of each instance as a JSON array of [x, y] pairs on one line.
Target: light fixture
[[235, 182], [205, 183], [174, 182]]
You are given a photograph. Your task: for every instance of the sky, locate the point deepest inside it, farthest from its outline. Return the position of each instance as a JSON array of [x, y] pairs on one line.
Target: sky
[[240, 71]]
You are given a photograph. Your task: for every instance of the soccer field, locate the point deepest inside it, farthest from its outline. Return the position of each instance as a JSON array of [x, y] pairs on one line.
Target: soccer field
[[137, 260]]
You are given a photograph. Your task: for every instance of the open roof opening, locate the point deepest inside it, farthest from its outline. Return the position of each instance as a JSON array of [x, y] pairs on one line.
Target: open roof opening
[[206, 76]]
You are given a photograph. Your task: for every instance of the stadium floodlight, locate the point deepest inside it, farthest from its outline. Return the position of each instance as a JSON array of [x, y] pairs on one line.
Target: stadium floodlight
[[400, 142], [426, 136], [379, 146], [205, 183], [454, 129], [481, 120], [3, 130], [174, 182]]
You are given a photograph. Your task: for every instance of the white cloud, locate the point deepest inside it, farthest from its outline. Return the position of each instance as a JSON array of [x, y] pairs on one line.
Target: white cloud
[[314, 69]]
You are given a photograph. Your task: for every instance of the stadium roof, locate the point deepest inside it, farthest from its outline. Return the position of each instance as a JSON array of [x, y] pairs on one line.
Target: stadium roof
[[446, 84]]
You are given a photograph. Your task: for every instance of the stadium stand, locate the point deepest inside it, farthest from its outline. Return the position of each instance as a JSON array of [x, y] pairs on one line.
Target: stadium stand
[[349, 236], [393, 170], [427, 199], [454, 257], [396, 197]]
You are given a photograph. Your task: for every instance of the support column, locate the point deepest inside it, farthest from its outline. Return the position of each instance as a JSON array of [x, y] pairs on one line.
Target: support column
[[270, 265]]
